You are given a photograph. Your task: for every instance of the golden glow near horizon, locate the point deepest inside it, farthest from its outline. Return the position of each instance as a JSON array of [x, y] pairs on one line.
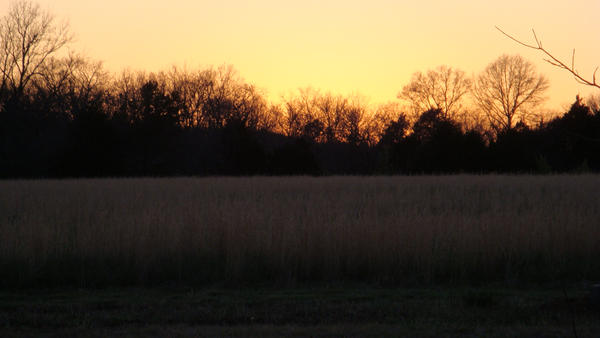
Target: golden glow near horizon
[[342, 46]]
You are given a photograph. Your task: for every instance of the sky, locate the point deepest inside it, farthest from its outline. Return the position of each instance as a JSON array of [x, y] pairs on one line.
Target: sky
[[343, 46]]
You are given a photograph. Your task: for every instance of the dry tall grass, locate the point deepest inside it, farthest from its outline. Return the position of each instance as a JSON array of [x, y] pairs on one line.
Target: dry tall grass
[[378, 229]]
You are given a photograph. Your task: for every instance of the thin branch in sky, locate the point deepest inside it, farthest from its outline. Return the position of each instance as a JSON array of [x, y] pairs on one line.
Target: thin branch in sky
[[554, 61]]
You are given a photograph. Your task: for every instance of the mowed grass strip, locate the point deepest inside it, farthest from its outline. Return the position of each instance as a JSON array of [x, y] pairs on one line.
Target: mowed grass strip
[[321, 311], [288, 230]]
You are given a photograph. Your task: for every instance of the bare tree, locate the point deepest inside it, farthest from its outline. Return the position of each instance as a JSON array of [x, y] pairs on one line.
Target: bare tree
[[125, 94], [71, 83], [356, 121], [29, 36], [384, 115], [442, 88], [507, 88], [314, 114], [229, 99], [331, 111], [325, 117], [192, 88], [293, 118], [593, 101], [555, 61]]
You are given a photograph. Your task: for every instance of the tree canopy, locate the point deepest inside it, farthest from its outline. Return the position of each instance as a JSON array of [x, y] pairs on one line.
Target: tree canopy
[[63, 115]]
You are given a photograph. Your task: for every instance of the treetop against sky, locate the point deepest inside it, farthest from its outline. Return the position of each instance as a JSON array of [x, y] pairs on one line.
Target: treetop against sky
[[342, 46]]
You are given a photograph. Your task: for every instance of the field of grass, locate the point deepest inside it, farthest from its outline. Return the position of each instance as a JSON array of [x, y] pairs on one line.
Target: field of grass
[[299, 312], [386, 231]]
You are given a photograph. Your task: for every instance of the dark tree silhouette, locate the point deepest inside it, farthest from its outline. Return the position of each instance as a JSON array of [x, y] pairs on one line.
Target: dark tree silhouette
[[443, 88], [295, 157], [440, 142], [67, 117], [507, 88], [515, 150], [396, 131], [28, 38], [573, 140]]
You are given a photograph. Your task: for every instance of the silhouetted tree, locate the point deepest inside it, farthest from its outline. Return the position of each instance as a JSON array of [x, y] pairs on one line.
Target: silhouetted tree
[[516, 150], [474, 153], [396, 131], [507, 88], [157, 106], [313, 130], [326, 118], [191, 90], [126, 97], [231, 100], [328, 109], [244, 155], [92, 146], [392, 146], [426, 125], [383, 116], [442, 88], [295, 157], [66, 116], [593, 101], [312, 111], [573, 140], [71, 84], [28, 38], [33, 130], [439, 142], [357, 125]]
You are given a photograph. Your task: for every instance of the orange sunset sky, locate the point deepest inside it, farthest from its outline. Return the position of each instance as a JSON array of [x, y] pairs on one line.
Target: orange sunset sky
[[343, 46]]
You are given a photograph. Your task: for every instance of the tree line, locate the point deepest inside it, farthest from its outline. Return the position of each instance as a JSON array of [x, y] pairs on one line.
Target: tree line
[[63, 115]]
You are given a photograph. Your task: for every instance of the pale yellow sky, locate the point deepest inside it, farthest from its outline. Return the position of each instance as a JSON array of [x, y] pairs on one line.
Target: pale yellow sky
[[344, 46]]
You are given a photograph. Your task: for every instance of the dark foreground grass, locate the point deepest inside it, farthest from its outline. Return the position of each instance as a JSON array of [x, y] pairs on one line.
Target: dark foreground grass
[[426, 241], [429, 230], [322, 311]]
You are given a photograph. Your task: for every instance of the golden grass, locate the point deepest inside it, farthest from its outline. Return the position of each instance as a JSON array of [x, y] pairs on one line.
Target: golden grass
[[296, 229]]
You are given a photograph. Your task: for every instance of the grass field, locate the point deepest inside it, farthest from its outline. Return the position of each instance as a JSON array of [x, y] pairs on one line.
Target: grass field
[[451, 256], [291, 231], [313, 312]]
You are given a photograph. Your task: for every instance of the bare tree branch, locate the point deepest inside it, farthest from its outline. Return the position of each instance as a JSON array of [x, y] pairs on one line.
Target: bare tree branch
[[556, 62], [506, 88], [441, 88], [29, 37]]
